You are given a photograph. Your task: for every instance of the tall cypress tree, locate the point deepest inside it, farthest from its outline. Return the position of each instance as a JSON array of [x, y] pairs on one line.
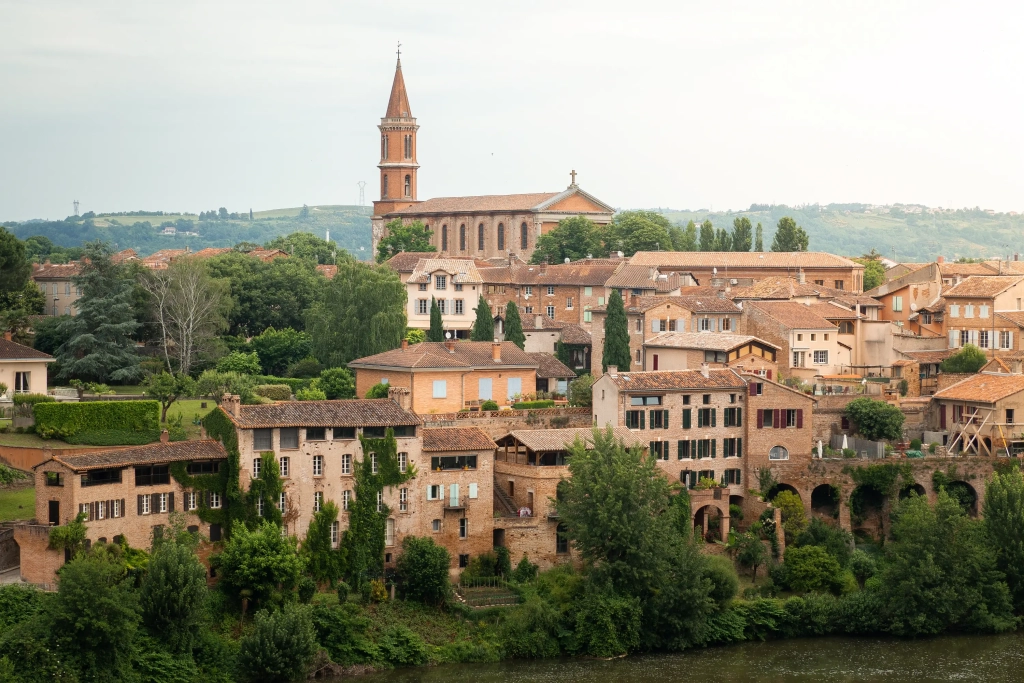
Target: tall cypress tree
[[759, 238], [514, 326], [483, 328], [616, 335], [436, 333]]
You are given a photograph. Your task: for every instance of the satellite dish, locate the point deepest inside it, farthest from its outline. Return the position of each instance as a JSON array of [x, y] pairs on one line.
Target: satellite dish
[[913, 307], [447, 335]]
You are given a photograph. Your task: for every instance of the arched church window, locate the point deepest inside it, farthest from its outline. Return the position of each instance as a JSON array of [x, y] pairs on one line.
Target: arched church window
[[444, 238], [778, 453], [408, 186], [524, 238], [383, 146], [462, 237], [480, 237], [501, 237], [384, 189]]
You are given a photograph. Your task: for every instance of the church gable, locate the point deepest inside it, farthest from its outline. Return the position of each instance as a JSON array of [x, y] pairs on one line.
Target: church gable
[[576, 204]]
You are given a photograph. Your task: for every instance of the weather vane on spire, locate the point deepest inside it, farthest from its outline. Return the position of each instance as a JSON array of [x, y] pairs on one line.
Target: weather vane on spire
[[399, 51]]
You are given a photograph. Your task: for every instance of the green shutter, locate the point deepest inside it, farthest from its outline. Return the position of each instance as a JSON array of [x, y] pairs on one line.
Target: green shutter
[[714, 411], [642, 414], [739, 449], [713, 441], [664, 419], [693, 449], [679, 453], [739, 417], [686, 418]]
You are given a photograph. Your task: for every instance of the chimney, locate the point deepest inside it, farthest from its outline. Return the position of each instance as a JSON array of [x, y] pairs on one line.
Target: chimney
[[8, 335], [800, 276], [165, 436], [538, 322], [450, 345], [496, 352], [940, 259], [613, 370], [405, 344], [231, 403], [1016, 256], [400, 395], [704, 370]]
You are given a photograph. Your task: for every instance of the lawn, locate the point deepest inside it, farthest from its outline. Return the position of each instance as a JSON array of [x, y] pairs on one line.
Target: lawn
[[17, 504], [32, 441], [189, 409]]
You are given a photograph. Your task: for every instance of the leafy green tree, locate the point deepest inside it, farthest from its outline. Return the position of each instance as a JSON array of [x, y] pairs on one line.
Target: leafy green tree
[[305, 245], [338, 383], [789, 236], [305, 368], [581, 392], [173, 595], [751, 553], [758, 238], [514, 326], [280, 646], [687, 241], [14, 266], [436, 331], [633, 231], [874, 271], [742, 234], [483, 328], [707, 236], [167, 388], [863, 566], [423, 570], [277, 349], [378, 390], [412, 237], [875, 420], [324, 563], [835, 540], [616, 335], [260, 564], [363, 313], [50, 335], [969, 359], [15, 308], [415, 336], [99, 342], [811, 569], [240, 362], [794, 519], [94, 618], [723, 240], [940, 573], [573, 238], [215, 384], [1004, 522], [311, 393]]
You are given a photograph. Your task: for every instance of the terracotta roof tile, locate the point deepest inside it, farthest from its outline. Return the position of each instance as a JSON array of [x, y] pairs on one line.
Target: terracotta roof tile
[[466, 354], [964, 269], [456, 439], [10, 350], [398, 103], [929, 356], [327, 270], [210, 252], [125, 255], [462, 271], [830, 311], [740, 259], [56, 271], [677, 379], [1015, 317], [711, 341], [574, 334], [405, 261], [982, 286], [983, 388], [562, 439], [996, 365], [793, 315], [206, 449], [381, 412], [478, 204], [643, 277], [549, 367]]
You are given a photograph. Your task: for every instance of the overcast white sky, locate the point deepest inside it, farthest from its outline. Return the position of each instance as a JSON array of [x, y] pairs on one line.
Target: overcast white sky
[[191, 105]]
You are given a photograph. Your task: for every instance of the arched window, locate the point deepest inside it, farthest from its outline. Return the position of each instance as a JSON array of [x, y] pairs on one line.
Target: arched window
[[383, 146], [524, 238], [408, 147], [501, 237], [480, 237], [384, 188], [444, 238], [462, 237], [408, 186], [561, 540], [778, 453]]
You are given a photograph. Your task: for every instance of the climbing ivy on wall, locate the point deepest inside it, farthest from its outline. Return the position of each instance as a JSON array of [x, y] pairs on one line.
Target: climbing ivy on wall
[[887, 478], [266, 487]]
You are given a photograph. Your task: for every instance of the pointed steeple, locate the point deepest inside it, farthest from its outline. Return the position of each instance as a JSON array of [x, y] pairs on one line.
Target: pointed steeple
[[398, 105]]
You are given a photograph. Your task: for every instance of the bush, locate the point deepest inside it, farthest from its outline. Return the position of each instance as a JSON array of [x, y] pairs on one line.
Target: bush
[[276, 392], [531, 630], [422, 569], [489, 405], [525, 571], [812, 569], [378, 391], [794, 519], [849, 453], [875, 420], [969, 359], [307, 589], [932, 447], [399, 646], [306, 368], [915, 444], [342, 631], [32, 399], [310, 394], [724, 581], [173, 595], [533, 405], [240, 362], [280, 646], [581, 391], [343, 590], [337, 383], [118, 437], [71, 420], [833, 539], [293, 383]]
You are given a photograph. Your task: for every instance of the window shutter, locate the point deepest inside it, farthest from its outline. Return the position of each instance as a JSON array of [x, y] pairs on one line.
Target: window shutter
[[713, 444], [714, 413], [942, 416], [92, 511], [693, 451], [700, 418], [209, 498], [679, 450], [799, 418], [1010, 340], [140, 504], [686, 418], [718, 327], [170, 501], [642, 414], [768, 374], [472, 490], [760, 419], [777, 419], [739, 417], [123, 513], [974, 337], [953, 336], [739, 476], [739, 448], [664, 419], [751, 389], [428, 492]]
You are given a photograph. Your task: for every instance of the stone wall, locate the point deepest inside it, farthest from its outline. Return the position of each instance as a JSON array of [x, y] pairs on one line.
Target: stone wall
[[948, 379], [497, 423], [39, 564]]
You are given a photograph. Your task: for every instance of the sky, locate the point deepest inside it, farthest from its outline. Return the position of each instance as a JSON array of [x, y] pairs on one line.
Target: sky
[[189, 106]]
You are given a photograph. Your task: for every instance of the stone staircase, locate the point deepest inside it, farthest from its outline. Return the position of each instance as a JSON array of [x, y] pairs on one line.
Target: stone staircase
[[503, 504]]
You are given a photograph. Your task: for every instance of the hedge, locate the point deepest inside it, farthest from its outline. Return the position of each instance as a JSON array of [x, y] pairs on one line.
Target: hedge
[[73, 422], [294, 383], [32, 399], [277, 392], [116, 437], [528, 405]]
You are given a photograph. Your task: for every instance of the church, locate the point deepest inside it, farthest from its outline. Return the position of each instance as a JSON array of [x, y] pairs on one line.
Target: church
[[492, 226]]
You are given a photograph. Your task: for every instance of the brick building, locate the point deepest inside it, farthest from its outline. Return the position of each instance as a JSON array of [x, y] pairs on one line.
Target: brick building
[[985, 311], [904, 299], [447, 377], [809, 343], [485, 226], [980, 414], [689, 350]]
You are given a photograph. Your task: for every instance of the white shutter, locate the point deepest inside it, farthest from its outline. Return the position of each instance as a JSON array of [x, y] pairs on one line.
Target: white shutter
[[1011, 340], [974, 337], [472, 490], [454, 495], [953, 337]]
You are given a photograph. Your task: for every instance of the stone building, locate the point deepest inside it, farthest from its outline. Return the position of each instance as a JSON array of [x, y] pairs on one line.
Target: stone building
[[809, 343], [456, 286], [486, 226], [690, 350], [980, 414]]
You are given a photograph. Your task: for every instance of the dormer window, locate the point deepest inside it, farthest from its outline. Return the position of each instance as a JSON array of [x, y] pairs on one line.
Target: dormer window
[[440, 282]]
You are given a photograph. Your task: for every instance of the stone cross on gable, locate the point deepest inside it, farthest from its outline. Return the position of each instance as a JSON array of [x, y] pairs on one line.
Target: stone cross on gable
[[573, 175]]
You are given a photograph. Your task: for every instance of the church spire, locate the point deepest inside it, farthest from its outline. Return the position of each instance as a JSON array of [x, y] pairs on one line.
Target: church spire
[[398, 105]]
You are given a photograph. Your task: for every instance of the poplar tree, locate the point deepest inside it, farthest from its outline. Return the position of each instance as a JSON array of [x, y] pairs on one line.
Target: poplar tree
[[483, 328], [514, 326], [689, 238], [758, 238], [436, 332], [707, 236], [741, 234], [789, 236], [616, 335]]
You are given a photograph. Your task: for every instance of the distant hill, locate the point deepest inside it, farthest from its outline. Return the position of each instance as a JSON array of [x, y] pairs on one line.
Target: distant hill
[[142, 231], [854, 229]]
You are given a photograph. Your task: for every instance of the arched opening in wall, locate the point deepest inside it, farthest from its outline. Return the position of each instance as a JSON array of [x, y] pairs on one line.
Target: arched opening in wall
[[498, 538], [964, 493], [779, 488], [462, 237], [736, 520], [825, 501], [384, 188], [501, 237], [911, 489], [480, 237], [408, 186], [444, 238], [708, 520], [866, 505], [524, 237]]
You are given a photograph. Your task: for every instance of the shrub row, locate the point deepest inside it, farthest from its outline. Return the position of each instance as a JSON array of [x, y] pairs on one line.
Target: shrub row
[[277, 392], [530, 405], [32, 399], [117, 437], [294, 383], [77, 420]]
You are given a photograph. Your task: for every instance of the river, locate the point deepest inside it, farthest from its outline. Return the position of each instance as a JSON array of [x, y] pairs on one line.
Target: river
[[833, 660]]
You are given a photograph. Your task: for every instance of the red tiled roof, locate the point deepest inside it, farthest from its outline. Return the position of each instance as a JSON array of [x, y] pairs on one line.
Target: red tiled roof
[[574, 334], [562, 439], [210, 252], [946, 269], [549, 367], [983, 388], [56, 271], [462, 271], [327, 270], [741, 259], [677, 379], [982, 286], [793, 314], [178, 451], [704, 340], [929, 356], [832, 312], [643, 277], [456, 439], [380, 412], [465, 354], [398, 103], [405, 261], [478, 204], [10, 350]]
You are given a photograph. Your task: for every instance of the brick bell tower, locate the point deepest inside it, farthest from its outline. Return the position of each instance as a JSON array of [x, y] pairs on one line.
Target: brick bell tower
[[397, 165]]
